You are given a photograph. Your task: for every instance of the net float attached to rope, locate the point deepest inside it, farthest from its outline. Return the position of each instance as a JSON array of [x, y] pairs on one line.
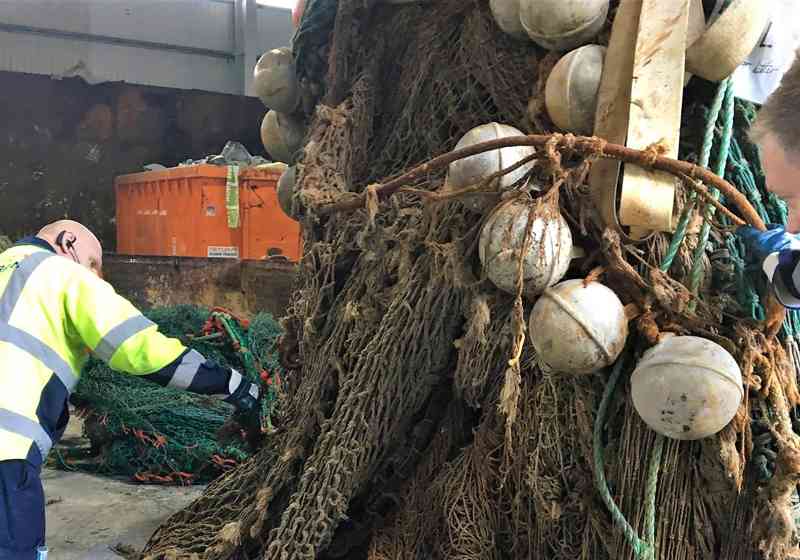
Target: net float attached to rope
[[472, 170], [571, 90], [561, 25], [506, 14], [286, 191], [275, 80], [577, 328], [729, 40], [545, 258], [282, 136], [687, 387]]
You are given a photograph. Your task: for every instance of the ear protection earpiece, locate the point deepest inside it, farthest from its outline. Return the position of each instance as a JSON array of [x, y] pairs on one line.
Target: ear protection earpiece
[[66, 242]]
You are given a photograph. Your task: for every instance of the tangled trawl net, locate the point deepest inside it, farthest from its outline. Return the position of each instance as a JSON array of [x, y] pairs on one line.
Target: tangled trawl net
[[445, 70], [158, 434], [398, 440]]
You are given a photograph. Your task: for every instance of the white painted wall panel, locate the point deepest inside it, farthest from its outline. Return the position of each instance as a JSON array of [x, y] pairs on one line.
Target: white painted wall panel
[[204, 24], [274, 28], [101, 62], [185, 44]]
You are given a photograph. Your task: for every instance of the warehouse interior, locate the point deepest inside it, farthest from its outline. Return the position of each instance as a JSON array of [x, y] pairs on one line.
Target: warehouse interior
[[399, 279]]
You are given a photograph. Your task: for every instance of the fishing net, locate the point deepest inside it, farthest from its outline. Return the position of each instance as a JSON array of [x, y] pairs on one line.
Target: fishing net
[[156, 434], [420, 424]]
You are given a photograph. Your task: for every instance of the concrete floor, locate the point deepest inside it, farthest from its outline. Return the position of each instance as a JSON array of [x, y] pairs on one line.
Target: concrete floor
[[87, 514]]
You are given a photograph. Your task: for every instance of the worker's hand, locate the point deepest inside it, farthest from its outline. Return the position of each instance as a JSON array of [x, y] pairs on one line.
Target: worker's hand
[[761, 244], [245, 397], [247, 400]]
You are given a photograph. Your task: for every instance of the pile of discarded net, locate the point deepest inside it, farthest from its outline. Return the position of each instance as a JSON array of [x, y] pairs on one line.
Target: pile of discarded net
[[161, 435]]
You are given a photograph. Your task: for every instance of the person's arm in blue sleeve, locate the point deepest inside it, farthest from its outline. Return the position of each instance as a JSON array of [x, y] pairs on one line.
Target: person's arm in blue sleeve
[[192, 372], [778, 253], [128, 342]]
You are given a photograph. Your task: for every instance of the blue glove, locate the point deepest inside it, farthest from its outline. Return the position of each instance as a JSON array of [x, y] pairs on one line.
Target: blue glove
[[246, 397], [761, 244]]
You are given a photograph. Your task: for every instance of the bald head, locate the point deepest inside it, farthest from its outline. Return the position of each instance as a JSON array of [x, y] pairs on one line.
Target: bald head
[[74, 241]]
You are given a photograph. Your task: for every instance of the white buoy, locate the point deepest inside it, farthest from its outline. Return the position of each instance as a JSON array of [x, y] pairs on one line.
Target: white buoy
[[472, 170], [561, 25], [577, 328], [687, 387], [275, 80], [571, 90], [286, 191], [506, 14], [502, 244], [729, 40], [282, 136]]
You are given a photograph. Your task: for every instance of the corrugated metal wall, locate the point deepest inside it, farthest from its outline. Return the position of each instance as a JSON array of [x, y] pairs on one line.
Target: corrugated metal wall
[[185, 44]]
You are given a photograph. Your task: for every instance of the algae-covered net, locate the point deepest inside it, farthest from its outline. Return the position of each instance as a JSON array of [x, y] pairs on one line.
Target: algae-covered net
[[421, 425], [162, 435]]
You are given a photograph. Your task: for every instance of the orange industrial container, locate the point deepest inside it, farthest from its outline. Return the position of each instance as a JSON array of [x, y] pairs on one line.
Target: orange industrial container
[[181, 212]]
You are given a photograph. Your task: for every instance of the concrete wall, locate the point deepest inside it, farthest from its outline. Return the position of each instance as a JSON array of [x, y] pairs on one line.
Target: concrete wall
[[63, 142], [243, 287]]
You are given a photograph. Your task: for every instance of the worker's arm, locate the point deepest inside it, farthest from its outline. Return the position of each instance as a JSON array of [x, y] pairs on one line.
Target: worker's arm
[[121, 336], [778, 253]]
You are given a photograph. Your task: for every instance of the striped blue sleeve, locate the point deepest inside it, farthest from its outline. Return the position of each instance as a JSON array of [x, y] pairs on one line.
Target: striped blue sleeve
[[783, 271], [192, 372]]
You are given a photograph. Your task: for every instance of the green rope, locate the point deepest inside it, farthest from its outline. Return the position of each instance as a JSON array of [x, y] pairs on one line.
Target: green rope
[[705, 157], [251, 366], [650, 493], [643, 549], [744, 167], [739, 159], [728, 110], [723, 104]]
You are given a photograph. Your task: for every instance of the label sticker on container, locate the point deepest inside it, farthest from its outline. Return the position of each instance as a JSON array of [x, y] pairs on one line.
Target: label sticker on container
[[223, 252]]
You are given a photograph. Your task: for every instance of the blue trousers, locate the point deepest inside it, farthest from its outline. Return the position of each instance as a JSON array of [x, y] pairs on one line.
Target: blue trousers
[[22, 510]]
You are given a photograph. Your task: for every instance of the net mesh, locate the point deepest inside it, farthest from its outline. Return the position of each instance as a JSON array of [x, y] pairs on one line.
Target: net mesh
[[421, 425]]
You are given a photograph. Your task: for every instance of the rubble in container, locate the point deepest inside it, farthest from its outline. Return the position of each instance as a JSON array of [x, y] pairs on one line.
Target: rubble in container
[[234, 153]]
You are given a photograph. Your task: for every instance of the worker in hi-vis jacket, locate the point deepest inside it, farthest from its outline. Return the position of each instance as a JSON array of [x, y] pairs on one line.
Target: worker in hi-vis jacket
[[777, 131], [55, 309]]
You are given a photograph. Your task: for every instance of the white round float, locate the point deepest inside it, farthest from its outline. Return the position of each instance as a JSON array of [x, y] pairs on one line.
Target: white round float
[[502, 245], [474, 169], [286, 191], [577, 328], [275, 80], [571, 89], [561, 25], [506, 14], [687, 387], [282, 136]]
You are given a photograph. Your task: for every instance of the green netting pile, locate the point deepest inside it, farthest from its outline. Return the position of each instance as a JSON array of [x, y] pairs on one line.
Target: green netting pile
[[156, 434]]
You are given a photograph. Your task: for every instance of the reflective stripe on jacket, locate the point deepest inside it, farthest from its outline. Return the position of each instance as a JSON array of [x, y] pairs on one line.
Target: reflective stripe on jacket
[[783, 271], [52, 313]]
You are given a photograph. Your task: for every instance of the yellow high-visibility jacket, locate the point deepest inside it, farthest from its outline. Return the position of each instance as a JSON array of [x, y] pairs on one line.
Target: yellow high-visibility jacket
[[53, 312]]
